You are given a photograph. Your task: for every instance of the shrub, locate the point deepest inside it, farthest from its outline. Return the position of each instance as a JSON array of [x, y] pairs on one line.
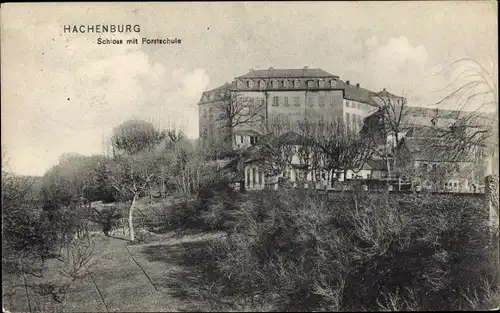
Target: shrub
[[355, 251], [107, 218]]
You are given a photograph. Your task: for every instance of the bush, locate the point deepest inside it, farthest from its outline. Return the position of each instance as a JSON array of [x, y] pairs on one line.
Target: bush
[[107, 218], [209, 211], [354, 251]]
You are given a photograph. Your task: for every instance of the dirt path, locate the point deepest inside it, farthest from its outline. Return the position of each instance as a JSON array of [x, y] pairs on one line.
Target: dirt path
[[135, 278]]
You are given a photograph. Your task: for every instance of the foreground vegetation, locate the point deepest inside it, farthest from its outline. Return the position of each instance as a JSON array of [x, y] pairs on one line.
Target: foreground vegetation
[[294, 250], [290, 249]]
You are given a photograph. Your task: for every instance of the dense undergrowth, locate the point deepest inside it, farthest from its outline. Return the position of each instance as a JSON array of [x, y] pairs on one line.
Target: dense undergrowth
[[292, 250]]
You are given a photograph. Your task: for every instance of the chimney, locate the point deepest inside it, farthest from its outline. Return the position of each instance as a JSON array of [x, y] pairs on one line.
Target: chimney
[[357, 85], [347, 82], [306, 67], [383, 89]]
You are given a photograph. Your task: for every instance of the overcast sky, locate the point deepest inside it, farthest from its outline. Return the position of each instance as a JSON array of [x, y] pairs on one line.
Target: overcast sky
[[64, 93]]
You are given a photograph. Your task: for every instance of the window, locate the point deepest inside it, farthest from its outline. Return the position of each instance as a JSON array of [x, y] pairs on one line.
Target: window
[[262, 84], [275, 84], [262, 101], [310, 83], [286, 83], [296, 101], [358, 105], [433, 167], [241, 139], [354, 122], [250, 84], [254, 176], [275, 101], [296, 83], [253, 140], [332, 100], [250, 101], [347, 120], [260, 177], [455, 185], [311, 101], [347, 103], [248, 176], [322, 101], [425, 167], [359, 121], [210, 114], [285, 102], [333, 83], [321, 84], [239, 84]]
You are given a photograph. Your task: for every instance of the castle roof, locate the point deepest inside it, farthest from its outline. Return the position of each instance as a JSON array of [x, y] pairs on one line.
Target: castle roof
[[288, 73]]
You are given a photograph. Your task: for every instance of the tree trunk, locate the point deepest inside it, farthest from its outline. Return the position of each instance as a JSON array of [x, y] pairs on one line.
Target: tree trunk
[[130, 218]]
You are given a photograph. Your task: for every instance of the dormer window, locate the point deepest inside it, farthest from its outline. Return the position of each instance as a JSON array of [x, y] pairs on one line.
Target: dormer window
[[333, 83], [275, 84], [286, 83], [250, 84], [310, 83], [262, 84], [296, 83], [321, 84], [239, 84]]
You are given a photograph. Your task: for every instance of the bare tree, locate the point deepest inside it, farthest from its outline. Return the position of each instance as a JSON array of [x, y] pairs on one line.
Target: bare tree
[[237, 111], [394, 113], [474, 92], [333, 148], [131, 176]]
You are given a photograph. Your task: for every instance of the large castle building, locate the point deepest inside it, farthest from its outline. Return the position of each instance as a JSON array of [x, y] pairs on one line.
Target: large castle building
[[238, 112]]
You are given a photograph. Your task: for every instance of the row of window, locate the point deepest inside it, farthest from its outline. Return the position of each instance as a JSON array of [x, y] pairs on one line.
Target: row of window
[[353, 121], [256, 175], [353, 104], [295, 101], [262, 84], [252, 101], [240, 139]]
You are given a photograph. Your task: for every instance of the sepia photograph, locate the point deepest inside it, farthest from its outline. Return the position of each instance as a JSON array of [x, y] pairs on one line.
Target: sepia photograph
[[250, 156]]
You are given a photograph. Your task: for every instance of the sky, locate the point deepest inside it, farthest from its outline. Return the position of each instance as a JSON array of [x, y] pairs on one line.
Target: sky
[[64, 93]]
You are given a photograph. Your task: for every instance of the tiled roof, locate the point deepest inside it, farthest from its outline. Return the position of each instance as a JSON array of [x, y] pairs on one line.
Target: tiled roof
[[355, 93], [287, 73], [226, 86], [380, 165], [292, 138], [385, 93], [427, 149]]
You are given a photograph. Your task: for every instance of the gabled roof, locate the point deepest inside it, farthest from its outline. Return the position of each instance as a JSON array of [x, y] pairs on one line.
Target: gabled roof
[[378, 165], [355, 93], [422, 131], [287, 73], [384, 93], [292, 138], [224, 87], [431, 149]]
